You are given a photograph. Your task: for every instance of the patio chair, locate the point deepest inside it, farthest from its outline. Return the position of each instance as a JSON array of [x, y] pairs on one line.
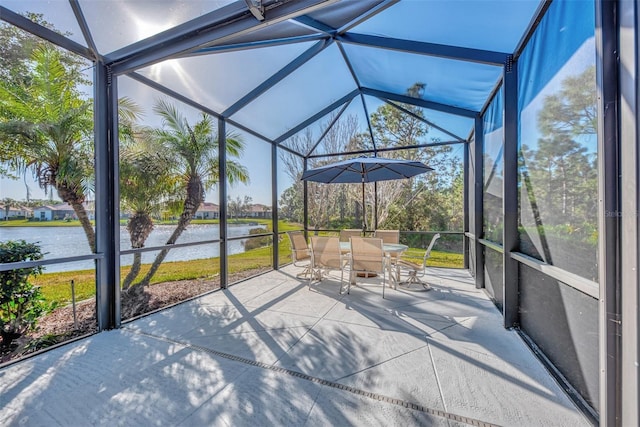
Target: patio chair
[[300, 252], [367, 256], [389, 236], [416, 271], [346, 234], [326, 255]]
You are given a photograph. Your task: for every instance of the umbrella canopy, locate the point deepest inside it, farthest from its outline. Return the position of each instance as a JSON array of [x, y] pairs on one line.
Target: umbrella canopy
[[365, 169]]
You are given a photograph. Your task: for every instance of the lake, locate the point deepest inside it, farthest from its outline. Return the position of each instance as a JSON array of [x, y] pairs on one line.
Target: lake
[[57, 242]]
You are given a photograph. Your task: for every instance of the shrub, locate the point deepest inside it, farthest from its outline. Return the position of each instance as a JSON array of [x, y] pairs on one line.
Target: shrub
[[257, 242], [21, 303]]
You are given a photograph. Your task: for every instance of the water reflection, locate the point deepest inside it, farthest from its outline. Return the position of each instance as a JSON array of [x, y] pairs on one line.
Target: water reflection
[[58, 242]]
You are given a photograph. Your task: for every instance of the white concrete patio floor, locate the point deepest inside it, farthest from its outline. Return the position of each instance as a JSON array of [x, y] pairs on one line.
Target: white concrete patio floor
[[269, 352]]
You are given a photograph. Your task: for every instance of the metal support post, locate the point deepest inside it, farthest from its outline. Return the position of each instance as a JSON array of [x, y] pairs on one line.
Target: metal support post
[[305, 198], [465, 220], [609, 211], [222, 191], [478, 196], [106, 198], [274, 203], [510, 239], [629, 13]]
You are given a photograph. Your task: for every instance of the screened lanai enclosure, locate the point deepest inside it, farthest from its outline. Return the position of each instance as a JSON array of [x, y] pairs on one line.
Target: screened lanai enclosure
[[175, 134]]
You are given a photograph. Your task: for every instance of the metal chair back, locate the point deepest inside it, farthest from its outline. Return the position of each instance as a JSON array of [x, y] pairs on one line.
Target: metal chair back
[[346, 234], [325, 255], [367, 256], [299, 247], [388, 236], [325, 252]]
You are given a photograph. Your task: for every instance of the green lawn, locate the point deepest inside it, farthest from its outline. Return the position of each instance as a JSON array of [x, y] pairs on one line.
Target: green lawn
[[56, 287], [437, 259]]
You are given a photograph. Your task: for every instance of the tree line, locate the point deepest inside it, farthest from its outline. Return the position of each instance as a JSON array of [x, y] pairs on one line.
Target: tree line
[[432, 201]]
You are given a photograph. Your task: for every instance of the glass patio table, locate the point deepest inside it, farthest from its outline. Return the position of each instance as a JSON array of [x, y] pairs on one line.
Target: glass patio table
[[390, 249], [394, 249]]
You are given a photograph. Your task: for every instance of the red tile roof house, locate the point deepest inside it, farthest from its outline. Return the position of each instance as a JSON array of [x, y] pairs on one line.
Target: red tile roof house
[[8, 212], [208, 211], [259, 211]]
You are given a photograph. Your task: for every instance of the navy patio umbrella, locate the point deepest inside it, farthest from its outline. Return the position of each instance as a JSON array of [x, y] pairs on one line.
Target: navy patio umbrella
[[365, 169]]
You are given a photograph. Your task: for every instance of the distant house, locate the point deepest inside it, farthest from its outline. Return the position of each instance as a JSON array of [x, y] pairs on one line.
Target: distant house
[[54, 212], [9, 212], [25, 211], [208, 211], [60, 212], [259, 211]]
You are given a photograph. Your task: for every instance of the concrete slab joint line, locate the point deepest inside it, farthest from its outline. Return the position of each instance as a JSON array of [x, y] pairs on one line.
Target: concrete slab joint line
[[375, 396]]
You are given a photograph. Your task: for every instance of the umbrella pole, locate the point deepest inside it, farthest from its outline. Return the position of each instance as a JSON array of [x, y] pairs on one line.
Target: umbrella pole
[[375, 205], [364, 210]]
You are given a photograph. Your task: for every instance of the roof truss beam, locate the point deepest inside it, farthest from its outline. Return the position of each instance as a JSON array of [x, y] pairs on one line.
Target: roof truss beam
[[326, 131], [317, 116], [383, 150], [420, 102], [254, 45], [309, 22], [84, 27], [316, 25], [423, 48], [218, 26], [366, 114], [21, 22], [422, 119], [278, 77], [169, 41], [188, 101], [347, 61]]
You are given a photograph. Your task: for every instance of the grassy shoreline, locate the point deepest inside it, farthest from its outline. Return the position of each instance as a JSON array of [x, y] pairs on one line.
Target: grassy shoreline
[[56, 287]]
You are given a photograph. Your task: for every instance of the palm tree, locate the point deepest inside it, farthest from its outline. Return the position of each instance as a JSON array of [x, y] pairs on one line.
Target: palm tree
[[195, 151], [8, 203], [47, 127], [145, 184]]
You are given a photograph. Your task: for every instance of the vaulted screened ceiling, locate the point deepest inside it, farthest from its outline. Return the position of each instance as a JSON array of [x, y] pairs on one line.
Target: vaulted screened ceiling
[[284, 66]]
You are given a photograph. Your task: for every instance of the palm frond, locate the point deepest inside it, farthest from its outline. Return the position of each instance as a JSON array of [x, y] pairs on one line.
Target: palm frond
[[129, 110], [235, 144], [171, 116]]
